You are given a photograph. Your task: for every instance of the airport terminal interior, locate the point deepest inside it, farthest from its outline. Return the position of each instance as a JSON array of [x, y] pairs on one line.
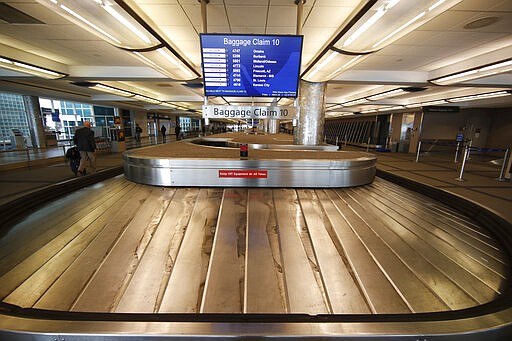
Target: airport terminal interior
[[263, 169]]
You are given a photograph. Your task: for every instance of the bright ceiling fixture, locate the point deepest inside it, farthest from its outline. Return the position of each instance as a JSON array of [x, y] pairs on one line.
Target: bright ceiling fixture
[[330, 66], [387, 94], [112, 11], [107, 20], [339, 114], [111, 90], [377, 25], [441, 101], [480, 96], [119, 25], [354, 102], [123, 93], [478, 72], [369, 111], [146, 99], [11, 64], [387, 21], [166, 104], [397, 107], [381, 10]]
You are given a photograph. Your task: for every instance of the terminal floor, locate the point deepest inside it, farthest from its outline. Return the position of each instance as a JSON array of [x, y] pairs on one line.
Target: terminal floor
[[480, 185]]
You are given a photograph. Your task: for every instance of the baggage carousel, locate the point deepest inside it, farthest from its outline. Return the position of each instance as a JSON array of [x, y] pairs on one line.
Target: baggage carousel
[[121, 260], [272, 161]]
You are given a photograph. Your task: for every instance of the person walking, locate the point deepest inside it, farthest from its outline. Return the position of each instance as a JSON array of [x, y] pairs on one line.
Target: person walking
[[177, 130], [163, 129], [138, 131], [84, 140]]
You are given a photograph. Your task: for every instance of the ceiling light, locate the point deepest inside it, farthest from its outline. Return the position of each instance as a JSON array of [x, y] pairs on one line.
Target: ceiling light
[[478, 72], [373, 28], [166, 63], [366, 24], [107, 20], [387, 21], [398, 107], [480, 96], [330, 66], [371, 111], [112, 11], [112, 90], [354, 102], [166, 104], [400, 29], [33, 70], [441, 101], [387, 94], [339, 114], [116, 23], [146, 99]]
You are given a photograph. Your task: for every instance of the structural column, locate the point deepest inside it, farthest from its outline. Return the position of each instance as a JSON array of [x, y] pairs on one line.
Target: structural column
[[35, 121], [273, 126], [310, 121]]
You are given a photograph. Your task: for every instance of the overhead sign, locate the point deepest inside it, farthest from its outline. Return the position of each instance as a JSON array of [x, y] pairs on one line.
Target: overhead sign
[[251, 65], [238, 111]]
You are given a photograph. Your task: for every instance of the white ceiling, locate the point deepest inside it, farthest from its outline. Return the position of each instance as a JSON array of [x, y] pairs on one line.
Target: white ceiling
[[439, 47]]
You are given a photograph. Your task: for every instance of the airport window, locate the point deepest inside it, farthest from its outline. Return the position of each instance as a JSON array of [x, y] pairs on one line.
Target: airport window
[[12, 117]]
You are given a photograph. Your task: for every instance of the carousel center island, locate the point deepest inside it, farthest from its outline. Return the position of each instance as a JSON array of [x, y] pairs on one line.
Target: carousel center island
[[272, 161]]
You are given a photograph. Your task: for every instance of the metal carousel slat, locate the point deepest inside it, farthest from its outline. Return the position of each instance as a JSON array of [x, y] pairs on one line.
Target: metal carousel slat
[[363, 262]]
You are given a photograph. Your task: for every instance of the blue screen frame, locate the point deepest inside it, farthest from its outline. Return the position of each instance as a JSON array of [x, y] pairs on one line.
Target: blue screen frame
[[251, 65]]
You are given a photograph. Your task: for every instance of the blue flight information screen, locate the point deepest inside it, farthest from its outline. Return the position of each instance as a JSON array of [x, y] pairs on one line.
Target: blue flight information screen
[[251, 65]]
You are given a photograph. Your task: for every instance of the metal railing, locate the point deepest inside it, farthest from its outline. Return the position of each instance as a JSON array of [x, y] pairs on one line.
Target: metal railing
[[456, 148]]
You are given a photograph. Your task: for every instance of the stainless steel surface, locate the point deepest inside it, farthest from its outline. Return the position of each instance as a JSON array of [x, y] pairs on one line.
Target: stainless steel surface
[[311, 116], [273, 126], [232, 144], [280, 173], [295, 147], [375, 249], [34, 121]]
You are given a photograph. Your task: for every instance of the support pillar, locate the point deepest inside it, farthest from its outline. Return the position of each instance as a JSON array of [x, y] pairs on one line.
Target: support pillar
[[310, 121], [35, 121], [273, 126]]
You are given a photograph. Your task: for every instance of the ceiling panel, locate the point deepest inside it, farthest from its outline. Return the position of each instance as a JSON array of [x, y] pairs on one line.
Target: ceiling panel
[[482, 6], [282, 30], [181, 33], [37, 11], [216, 16], [327, 16], [248, 29], [166, 14], [436, 44], [218, 29], [248, 16], [282, 16], [193, 12], [448, 21], [97, 53], [456, 41]]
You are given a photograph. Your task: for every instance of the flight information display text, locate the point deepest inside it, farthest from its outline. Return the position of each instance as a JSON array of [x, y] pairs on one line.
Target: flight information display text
[[251, 65]]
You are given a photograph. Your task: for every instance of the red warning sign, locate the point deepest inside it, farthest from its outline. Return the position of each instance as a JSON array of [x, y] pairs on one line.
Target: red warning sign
[[243, 173]]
